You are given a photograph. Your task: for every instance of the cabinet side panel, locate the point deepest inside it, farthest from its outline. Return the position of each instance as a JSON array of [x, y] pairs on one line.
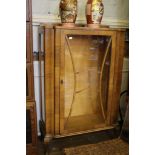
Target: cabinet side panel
[[49, 81], [117, 76], [52, 81], [57, 80]]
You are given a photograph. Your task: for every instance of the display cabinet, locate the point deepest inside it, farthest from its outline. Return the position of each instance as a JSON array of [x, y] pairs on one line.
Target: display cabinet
[[83, 69]]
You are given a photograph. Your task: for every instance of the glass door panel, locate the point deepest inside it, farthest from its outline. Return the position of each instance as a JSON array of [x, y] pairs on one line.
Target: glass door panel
[[86, 81]]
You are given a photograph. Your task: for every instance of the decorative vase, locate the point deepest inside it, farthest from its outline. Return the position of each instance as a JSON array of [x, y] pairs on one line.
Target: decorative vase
[[94, 13], [68, 12]]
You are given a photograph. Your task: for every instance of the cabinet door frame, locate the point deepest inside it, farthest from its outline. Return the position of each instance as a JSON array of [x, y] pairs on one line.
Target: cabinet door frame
[[59, 105]]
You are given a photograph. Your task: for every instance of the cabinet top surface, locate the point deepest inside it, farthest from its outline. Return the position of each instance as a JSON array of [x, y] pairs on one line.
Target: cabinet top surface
[[81, 27]]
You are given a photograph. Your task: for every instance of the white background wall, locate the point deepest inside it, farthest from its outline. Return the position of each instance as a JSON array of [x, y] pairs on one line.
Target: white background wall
[[116, 11]]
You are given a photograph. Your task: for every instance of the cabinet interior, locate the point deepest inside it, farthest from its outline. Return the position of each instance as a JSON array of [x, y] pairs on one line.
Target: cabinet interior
[[86, 81]]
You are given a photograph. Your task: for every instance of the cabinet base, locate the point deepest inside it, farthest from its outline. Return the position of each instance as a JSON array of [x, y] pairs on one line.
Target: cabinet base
[[49, 137], [83, 132]]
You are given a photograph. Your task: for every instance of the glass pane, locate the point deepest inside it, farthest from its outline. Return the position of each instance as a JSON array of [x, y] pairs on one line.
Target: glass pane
[[87, 63]]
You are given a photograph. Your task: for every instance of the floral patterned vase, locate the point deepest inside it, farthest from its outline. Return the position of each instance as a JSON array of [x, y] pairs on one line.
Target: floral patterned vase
[[68, 12], [94, 13]]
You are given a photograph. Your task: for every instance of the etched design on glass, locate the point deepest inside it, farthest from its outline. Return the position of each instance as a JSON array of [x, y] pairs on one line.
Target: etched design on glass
[[102, 68]]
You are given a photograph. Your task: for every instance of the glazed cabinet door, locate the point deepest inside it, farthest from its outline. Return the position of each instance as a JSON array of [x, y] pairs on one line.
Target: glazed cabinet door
[[86, 69]]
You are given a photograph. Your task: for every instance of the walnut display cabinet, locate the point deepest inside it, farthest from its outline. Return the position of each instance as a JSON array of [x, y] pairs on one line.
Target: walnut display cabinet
[[83, 68]]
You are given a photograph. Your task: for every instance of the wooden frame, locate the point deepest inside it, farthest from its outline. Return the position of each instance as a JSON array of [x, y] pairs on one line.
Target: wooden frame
[[120, 45], [54, 42], [49, 83], [60, 105]]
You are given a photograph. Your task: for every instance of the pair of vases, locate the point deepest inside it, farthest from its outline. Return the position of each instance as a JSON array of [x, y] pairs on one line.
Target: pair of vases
[[94, 12]]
